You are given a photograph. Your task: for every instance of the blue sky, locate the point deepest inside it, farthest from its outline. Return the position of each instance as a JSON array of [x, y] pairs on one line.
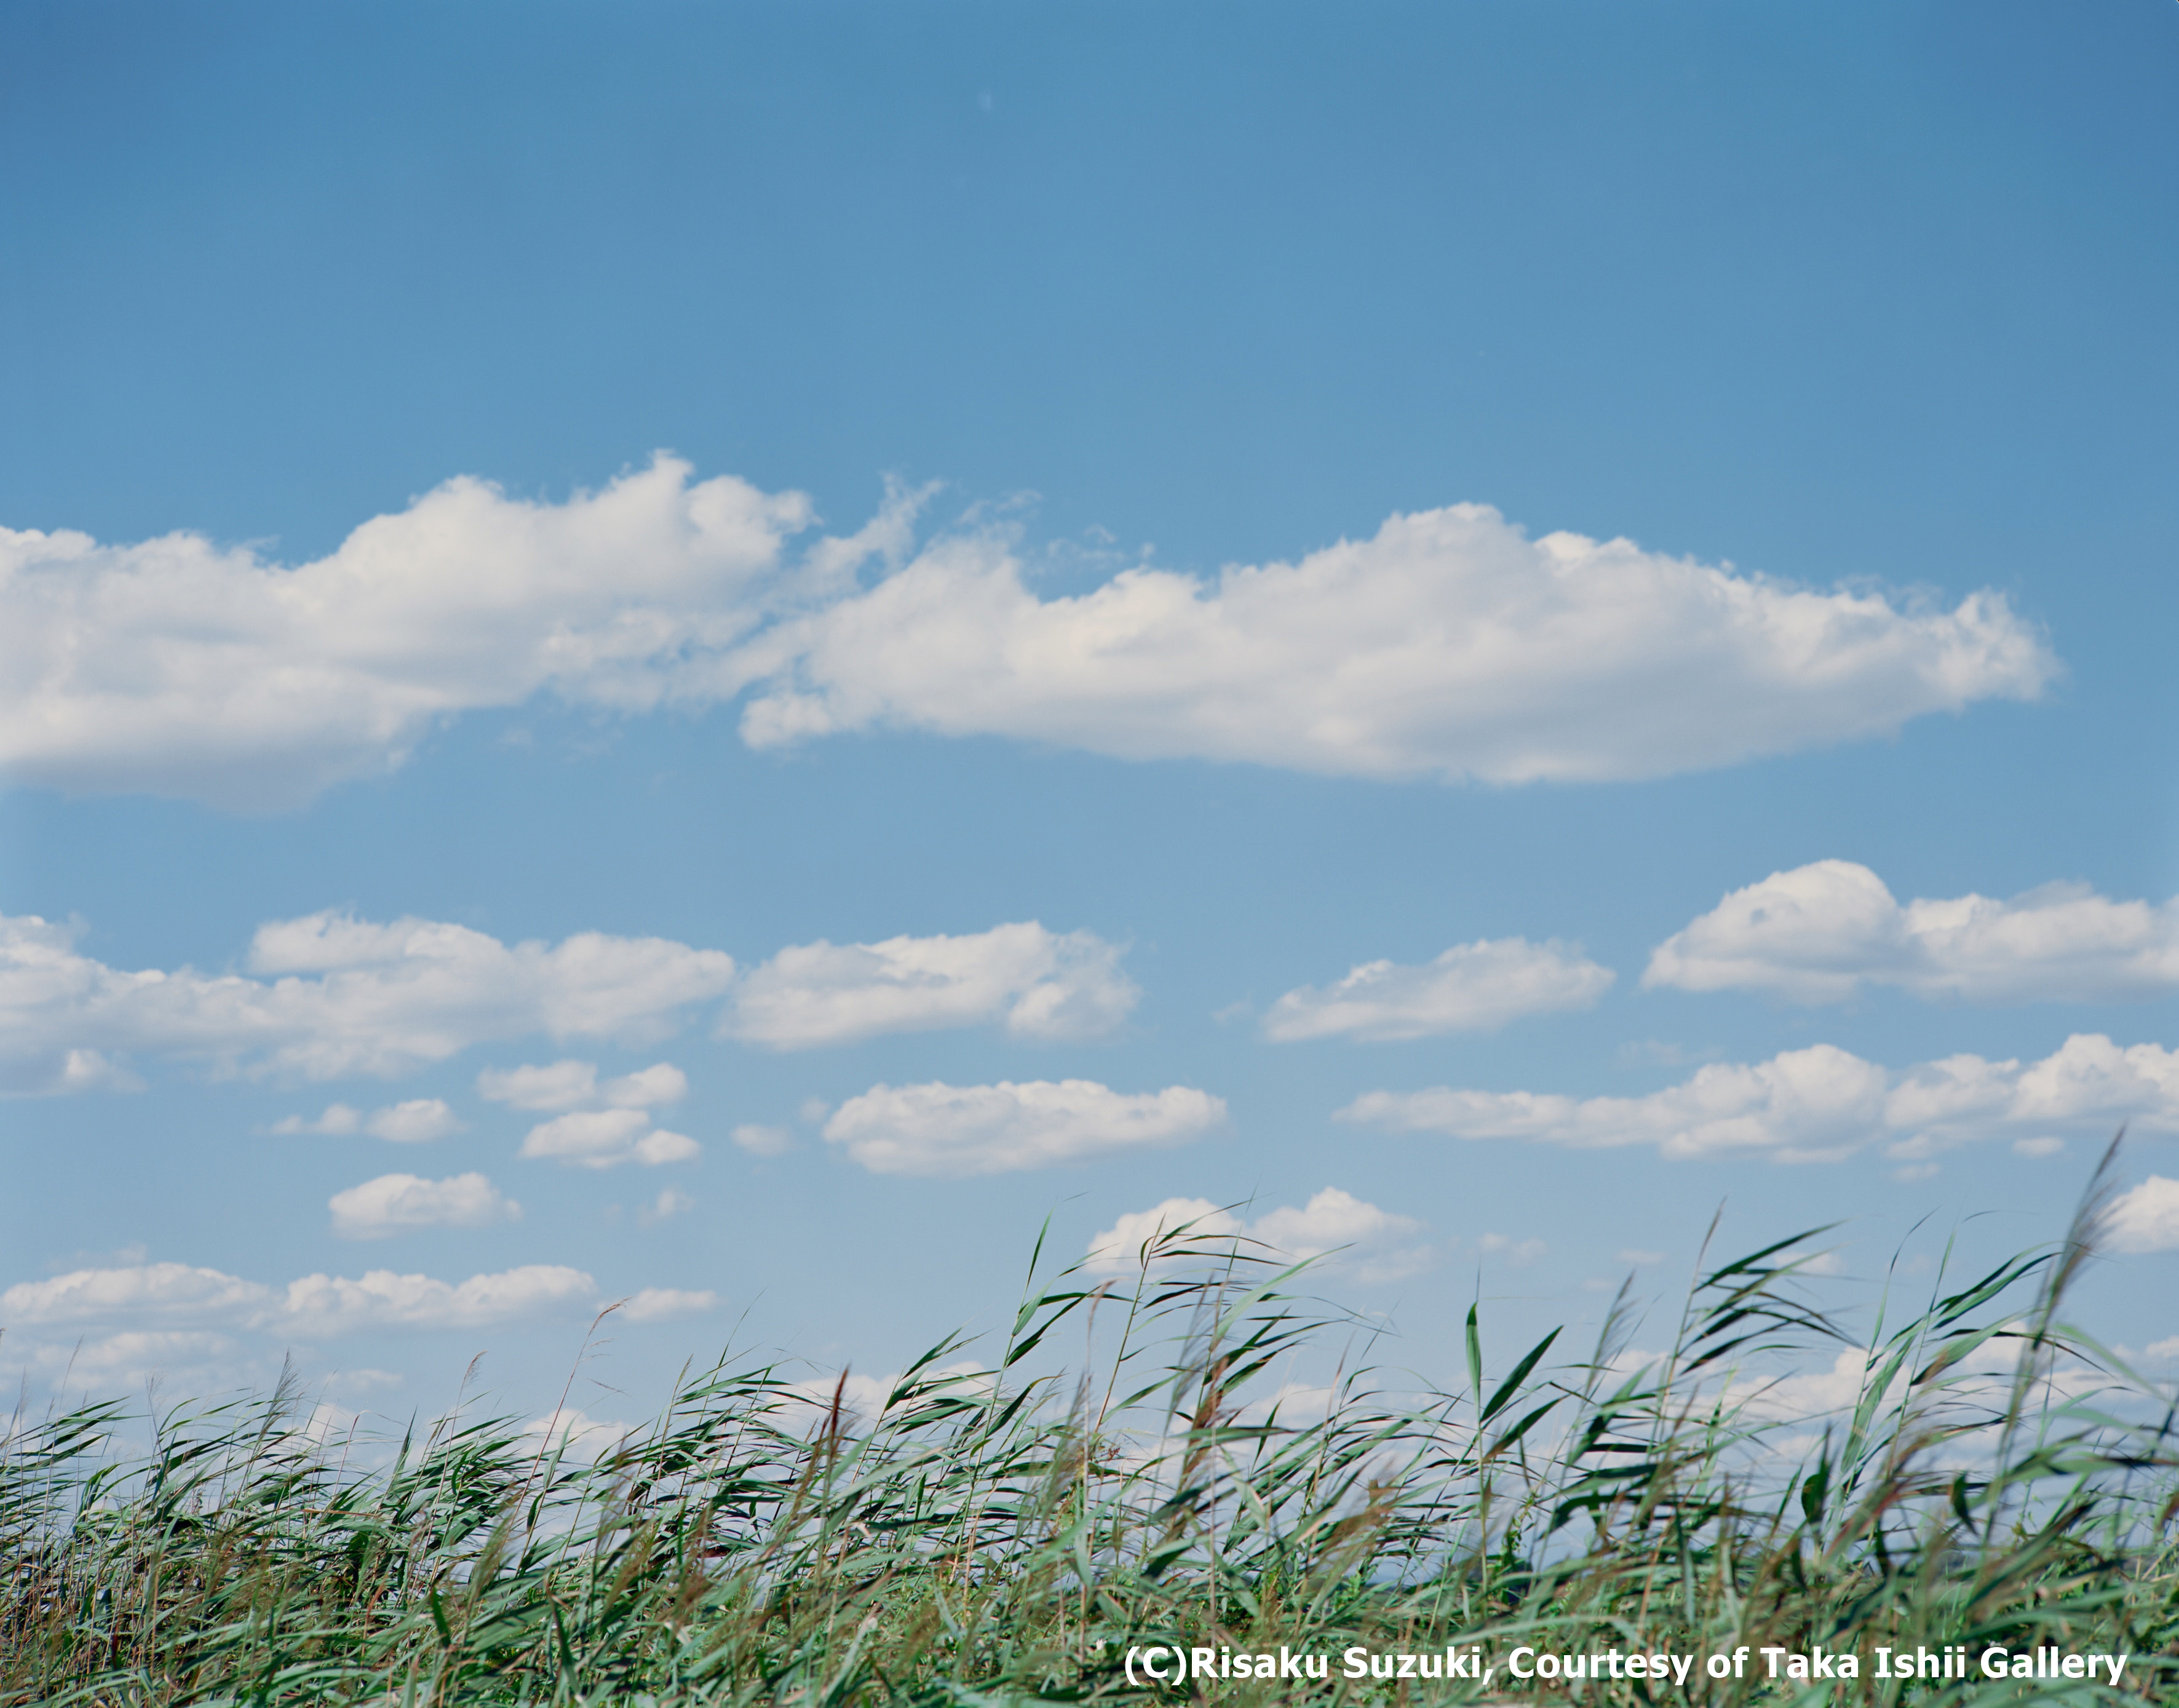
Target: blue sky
[[981, 483]]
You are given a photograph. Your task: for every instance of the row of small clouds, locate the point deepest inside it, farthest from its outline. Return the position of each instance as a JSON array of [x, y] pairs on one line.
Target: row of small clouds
[[328, 994], [1821, 933], [1448, 644], [593, 1125], [127, 1320], [122, 1327], [179, 1295], [938, 1129], [1825, 932], [419, 1121], [1821, 1104], [1373, 1244], [405, 1203], [135, 1320], [1336, 1230], [925, 1129], [1818, 1104]]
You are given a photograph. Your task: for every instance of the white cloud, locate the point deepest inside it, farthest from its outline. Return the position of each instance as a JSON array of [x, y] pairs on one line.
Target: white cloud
[[1982, 1376], [363, 1380], [763, 1141], [1120, 1247], [669, 1204], [332, 1304], [1293, 1403], [416, 1121], [1818, 1100], [333, 995], [139, 1290], [562, 1085], [606, 1124], [1820, 932], [1373, 1244], [988, 1129], [339, 1118], [605, 1137], [1471, 987], [2089, 1085], [390, 997], [1382, 1245], [396, 1203], [180, 667], [1821, 1103], [1516, 1252], [1037, 983], [578, 1436], [2146, 1219], [575, 1086], [328, 1423], [664, 1303], [1807, 1393], [314, 1305], [134, 1357], [1448, 644]]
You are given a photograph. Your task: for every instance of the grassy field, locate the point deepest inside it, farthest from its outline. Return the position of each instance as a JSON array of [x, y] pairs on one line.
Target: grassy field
[[1005, 1530]]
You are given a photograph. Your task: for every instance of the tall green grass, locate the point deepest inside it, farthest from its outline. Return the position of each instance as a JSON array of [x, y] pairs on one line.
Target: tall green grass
[[1004, 1529]]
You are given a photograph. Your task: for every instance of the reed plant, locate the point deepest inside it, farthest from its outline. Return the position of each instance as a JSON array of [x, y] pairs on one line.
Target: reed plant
[[1005, 1528]]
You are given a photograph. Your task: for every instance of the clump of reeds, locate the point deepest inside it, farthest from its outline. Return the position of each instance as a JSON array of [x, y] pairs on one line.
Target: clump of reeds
[[1000, 1531]]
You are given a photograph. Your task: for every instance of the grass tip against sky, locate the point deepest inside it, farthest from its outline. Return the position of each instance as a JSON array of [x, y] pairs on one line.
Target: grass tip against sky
[[712, 655]]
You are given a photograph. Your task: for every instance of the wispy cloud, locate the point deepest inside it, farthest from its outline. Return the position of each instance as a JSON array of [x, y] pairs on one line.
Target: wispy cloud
[[1820, 1104], [398, 1203], [135, 1358], [669, 1204], [1037, 983], [417, 1122], [575, 1086], [1372, 1245], [1471, 987], [988, 1129], [1822, 932], [666, 1304]]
